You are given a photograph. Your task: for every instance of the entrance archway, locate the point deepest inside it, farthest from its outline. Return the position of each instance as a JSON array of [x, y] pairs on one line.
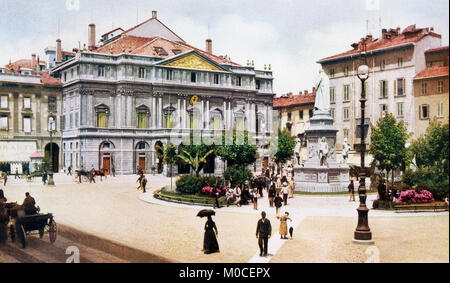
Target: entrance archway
[[159, 149], [141, 155], [106, 158], [55, 158]]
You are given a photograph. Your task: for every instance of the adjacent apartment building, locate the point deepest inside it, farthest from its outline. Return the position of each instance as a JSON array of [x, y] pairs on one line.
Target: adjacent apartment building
[[431, 95], [145, 87], [29, 96], [294, 113], [394, 61]]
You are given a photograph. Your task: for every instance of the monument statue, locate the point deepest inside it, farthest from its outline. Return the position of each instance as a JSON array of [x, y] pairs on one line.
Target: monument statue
[[345, 150], [323, 151], [298, 145], [322, 85]]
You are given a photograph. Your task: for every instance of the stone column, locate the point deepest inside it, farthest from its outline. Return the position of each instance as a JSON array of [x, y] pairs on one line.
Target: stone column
[[160, 115], [184, 116], [178, 112], [208, 119], [225, 114], [202, 113], [154, 111]]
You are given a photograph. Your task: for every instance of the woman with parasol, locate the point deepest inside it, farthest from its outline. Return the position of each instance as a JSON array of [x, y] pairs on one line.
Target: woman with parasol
[[210, 244]]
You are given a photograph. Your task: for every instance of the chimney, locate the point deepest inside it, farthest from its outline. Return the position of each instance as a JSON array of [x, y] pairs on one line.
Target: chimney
[[209, 45], [154, 14], [58, 51], [33, 62], [91, 37]]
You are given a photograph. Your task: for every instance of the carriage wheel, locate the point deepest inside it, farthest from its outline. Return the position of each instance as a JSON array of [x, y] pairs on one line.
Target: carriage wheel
[[12, 233], [52, 231], [21, 235]]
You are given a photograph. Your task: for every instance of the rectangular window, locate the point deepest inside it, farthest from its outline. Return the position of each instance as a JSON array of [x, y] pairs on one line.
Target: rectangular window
[[27, 103], [3, 101], [346, 113], [332, 112], [101, 120], [193, 77], [63, 122], [345, 71], [101, 71], [383, 109], [440, 109], [399, 87], [141, 73], [142, 121], [400, 109], [331, 73], [240, 124], [289, 116], [216, 79], [169, 75], [169, 121], [239, 81], [345, 133], [440, 86], [424, 111], [301, 114], [346, 92], [383, 89], [26, 124], [400, 62], [382, 65], [258, 84], [311, 113], [332, 95], [52, 104], [424, 88], [4, 122], [216, 123]]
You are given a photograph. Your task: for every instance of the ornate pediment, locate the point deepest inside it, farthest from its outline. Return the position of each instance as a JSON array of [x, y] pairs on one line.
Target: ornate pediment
[[192, 61]]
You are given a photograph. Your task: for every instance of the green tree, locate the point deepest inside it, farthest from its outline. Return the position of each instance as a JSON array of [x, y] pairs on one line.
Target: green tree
[[388, 141], [240, 151], [170, 158], [431, 154], [284, 145]]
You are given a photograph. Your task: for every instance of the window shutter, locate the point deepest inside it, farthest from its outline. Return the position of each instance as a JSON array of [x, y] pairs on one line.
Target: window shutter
[[404, 86], [381, 88], [395, 87], [387, 88]]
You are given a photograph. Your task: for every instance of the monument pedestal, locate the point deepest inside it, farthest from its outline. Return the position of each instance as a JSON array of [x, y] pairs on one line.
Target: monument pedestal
[[326, 175]]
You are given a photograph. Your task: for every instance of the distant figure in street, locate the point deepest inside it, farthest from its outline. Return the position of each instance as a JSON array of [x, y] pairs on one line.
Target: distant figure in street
[[69, 170], [278, 203], [5, 178], [237, 195], [216, 198], [229, 196], [263, 233], [143, 183], [254, 194], [139, 180], [272, 193], [16, 176], [291, 188], [285, 190], [283, 225], [44, 178], [351, 190], [210, 244], [92, 175], [113, 171], [28, 204], [260, 189]]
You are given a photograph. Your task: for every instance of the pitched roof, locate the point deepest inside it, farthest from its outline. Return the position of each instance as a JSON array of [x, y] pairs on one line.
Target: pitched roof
[[48, 80], [294, 100], [390, 38], [15, 67], [111, 31], [432, 72]]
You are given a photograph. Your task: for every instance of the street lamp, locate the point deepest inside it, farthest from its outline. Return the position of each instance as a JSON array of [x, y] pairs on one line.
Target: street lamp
[[51, 129], [362, 232]]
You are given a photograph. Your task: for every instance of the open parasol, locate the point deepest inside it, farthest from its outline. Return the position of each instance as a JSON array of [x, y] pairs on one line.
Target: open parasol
[[206, 212]]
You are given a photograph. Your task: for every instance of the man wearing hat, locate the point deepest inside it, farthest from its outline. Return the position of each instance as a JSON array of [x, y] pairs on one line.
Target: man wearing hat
[[285, 191]]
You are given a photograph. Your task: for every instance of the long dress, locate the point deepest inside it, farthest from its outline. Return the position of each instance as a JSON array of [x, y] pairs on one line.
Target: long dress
[[210, 244], [283, 225]]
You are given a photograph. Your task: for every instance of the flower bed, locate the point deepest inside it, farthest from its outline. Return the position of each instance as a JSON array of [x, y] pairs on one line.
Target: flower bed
[[413, 197]]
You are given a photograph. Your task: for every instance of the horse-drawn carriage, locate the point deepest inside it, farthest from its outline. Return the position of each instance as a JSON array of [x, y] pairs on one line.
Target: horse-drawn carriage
[[21, 225]]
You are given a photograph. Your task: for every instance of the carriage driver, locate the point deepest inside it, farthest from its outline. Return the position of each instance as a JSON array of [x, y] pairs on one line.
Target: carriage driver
[[29, 204]]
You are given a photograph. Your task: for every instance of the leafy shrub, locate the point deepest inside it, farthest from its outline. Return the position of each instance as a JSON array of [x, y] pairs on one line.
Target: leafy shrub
[[188, 184], [237, 175], [210, 181], [427, 178]]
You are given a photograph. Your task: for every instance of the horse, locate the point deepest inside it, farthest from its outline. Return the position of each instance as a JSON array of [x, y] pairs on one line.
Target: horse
[[100, 173]]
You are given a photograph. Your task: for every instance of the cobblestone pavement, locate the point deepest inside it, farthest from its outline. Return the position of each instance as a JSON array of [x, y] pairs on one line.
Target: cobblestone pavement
[[115, 210]]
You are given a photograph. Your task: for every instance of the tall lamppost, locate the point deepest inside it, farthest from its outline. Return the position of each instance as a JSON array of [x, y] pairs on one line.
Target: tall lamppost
[[362, 232], [51, 129]]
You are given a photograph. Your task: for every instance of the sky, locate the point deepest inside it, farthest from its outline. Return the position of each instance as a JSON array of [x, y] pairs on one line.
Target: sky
[[291, 35]]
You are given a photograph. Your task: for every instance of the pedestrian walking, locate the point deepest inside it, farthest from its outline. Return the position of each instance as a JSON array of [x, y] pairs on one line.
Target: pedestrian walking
[[285, 191], [113, 171], [291, 188], [44, 178], [69, 170], [16, 176], [263, 233], [283, 225], [237, 195], [351, 190], [139, 181], [272, 193], [210, 244], [254, 194], [143, 183], [5, 178], [216, 197], [260, 189], [278, 201]]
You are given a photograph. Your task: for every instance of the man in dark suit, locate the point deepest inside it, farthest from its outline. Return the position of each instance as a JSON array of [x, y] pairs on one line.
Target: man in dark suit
[[263, 233]]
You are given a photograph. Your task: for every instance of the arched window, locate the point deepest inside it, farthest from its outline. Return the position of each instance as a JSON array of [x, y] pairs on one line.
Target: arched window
[[143, 114], [102, 112], [168, 116]]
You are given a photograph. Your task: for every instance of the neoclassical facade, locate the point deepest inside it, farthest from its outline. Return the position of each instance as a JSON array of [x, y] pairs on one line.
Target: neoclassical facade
[[124, 98]]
